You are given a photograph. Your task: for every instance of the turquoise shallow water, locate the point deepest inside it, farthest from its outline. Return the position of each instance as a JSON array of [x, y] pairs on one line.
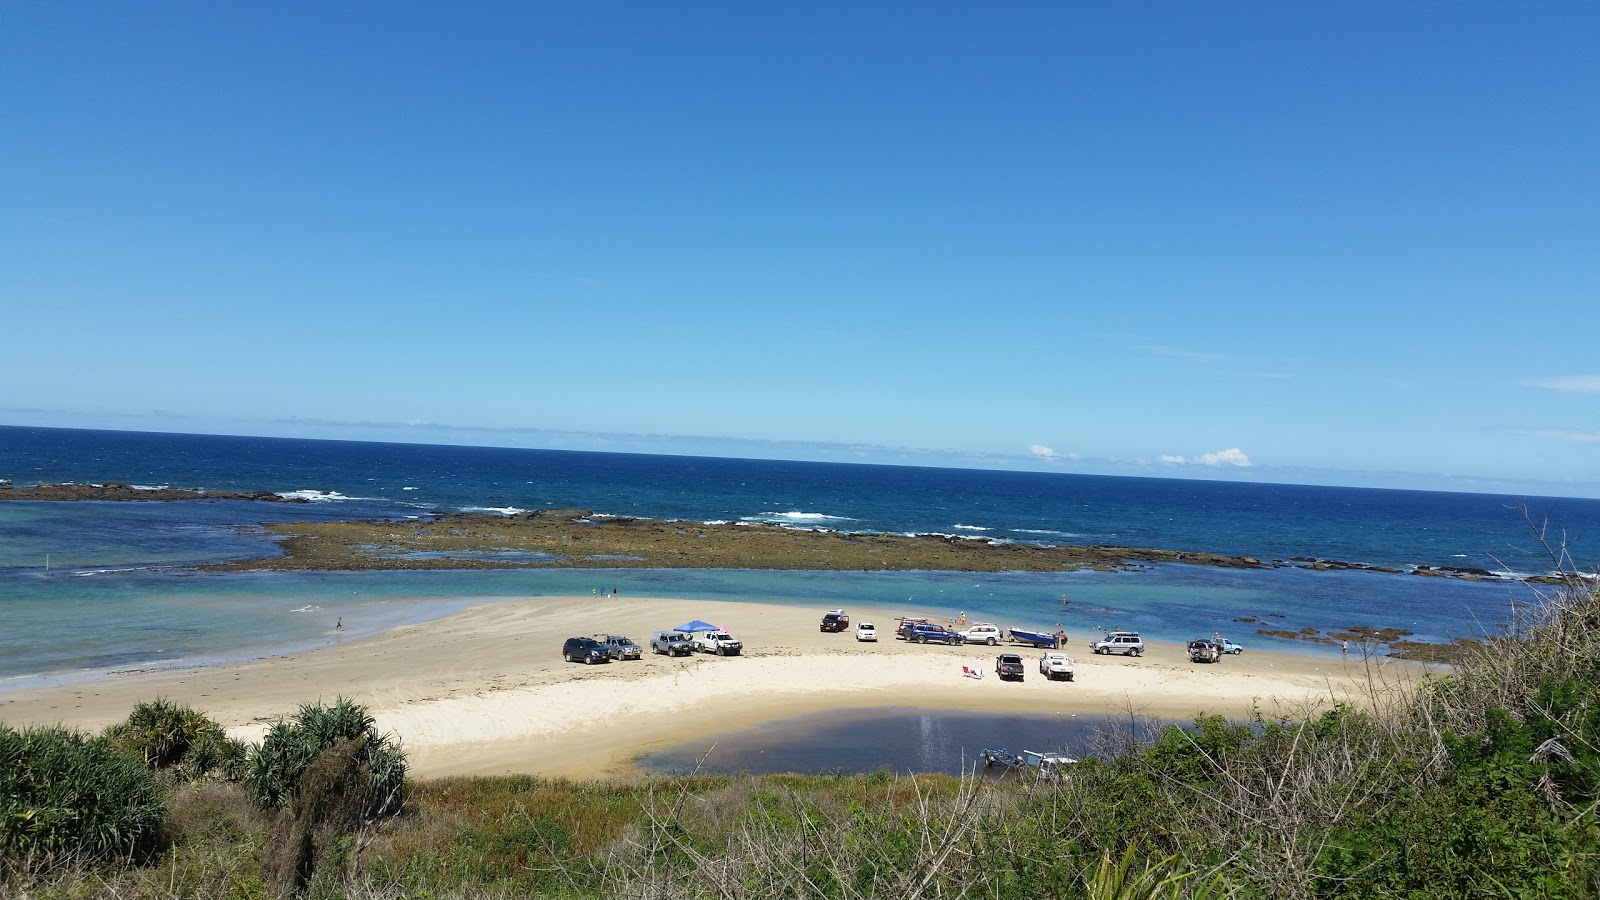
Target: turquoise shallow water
[[87, 588], [73, 625]]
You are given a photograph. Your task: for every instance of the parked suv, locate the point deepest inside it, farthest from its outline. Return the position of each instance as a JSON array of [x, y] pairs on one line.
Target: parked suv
[[620, 647], [906, 623], [932, 634], [982, 633], [835, 620], [585, 650], [671, 643], [1127, 643]]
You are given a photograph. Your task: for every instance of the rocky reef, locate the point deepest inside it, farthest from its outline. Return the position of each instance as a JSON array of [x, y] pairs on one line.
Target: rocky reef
[[127, 492], [580, 539]]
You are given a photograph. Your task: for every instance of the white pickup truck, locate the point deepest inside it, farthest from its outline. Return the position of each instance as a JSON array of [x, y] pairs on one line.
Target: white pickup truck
[[1056, 666], [719, 642]]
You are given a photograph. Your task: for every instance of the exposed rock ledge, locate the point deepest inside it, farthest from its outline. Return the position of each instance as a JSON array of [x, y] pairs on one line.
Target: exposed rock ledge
[[123, 492]]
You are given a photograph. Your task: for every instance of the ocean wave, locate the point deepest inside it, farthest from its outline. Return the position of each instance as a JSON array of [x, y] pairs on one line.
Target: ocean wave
[[971, 527], [150, 487], [1046, 531], [715, 522], [115, 570], [316, 496], [506, 511], [948, 536], [408, 488], [795, 516]]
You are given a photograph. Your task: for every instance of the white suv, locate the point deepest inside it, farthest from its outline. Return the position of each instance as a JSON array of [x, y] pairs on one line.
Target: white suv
[[866, 631], [982, 633], [1124, 642]]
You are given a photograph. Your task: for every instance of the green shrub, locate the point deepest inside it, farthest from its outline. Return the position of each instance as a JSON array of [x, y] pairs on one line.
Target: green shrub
[[64, 794], [180, 739], [277, 766]]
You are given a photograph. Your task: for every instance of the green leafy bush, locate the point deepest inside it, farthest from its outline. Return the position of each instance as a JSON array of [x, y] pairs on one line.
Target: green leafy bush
[[277, 766], [179, 739], [64, 794]]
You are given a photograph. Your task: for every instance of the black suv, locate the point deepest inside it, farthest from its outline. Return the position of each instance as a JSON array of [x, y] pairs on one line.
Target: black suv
[[585, 650], [835, 621]]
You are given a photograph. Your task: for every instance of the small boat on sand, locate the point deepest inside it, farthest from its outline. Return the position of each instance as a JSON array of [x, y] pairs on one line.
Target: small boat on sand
[[1036, 638]]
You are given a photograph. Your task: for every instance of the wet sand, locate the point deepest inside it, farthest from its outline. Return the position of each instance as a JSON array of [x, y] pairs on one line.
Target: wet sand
[[485, 691]]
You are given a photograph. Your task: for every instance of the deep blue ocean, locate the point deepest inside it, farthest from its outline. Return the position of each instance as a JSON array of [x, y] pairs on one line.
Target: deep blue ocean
[[89, 587]]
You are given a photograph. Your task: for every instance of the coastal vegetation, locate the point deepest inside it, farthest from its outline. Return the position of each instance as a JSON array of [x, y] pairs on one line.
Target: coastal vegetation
[[1481, 782]]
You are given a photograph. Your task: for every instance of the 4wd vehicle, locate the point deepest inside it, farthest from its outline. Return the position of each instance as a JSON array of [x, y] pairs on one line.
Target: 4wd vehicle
[[1230, 647], [1202, 650], [620, 647], [585, 650], [835, 620], [866, 631], [671, 643], [983, 633], [1008, 666], [1127, 643], [932, 634], [719, 642], [1056, 666], [903, 629]]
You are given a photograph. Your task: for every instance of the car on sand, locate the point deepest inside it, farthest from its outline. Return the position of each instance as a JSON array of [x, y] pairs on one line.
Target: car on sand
[[932, 634], [619, 646], [866, 631], [1056, 666], [835, 620], [1009, 666], [1128, 643], [585, 650], [983, 633]]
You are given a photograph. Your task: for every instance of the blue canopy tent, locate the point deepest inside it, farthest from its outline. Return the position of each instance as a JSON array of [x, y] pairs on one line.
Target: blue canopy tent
[[695, 626]]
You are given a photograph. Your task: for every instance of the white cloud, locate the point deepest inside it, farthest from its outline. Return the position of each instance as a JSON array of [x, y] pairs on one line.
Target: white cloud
[[1583, 384], [1042, 452], [1232, 456], [1568, 435]]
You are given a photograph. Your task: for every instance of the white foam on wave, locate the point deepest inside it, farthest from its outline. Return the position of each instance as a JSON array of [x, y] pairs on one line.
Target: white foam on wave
[[408, 488], [946, 535], [80, 573], [795, 516], [715, 522], [1047, 531], [971, 527], [502, 510], [314, 496], [150, 487]]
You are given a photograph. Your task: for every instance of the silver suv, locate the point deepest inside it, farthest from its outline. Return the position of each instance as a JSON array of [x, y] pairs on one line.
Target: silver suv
[[619, 647], [1127, 643], [672, 643]]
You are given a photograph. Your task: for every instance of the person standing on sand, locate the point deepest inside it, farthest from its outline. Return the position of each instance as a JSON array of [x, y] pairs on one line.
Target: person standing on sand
[[1344, 647], [338, 624]]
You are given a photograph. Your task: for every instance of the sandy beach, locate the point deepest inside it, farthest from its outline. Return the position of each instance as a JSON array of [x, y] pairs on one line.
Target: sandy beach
[[485, 691]]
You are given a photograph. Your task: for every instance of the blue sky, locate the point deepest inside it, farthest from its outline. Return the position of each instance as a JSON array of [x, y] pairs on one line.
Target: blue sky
[[1336, 243]]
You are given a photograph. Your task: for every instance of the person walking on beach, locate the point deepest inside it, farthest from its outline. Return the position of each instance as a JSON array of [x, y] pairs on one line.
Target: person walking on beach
[[1344, 647], [338, 624]]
